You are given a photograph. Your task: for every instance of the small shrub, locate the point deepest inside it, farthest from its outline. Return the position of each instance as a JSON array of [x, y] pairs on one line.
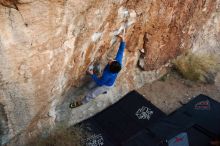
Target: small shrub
[[61, 136], [197, 67], [164, 78]]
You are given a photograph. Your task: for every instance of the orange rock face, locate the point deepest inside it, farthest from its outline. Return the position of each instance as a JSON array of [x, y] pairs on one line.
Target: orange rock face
[[47, 46], [167, 28]]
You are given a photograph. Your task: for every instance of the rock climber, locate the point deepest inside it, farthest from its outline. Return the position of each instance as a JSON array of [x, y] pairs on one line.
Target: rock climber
[[102, 84]]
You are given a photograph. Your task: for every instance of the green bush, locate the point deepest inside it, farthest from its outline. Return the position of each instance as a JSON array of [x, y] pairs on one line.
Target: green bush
[[197, 67]]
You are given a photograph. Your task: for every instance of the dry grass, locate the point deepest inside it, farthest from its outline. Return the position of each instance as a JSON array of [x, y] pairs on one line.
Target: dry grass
[[61, 136], [197, 67]]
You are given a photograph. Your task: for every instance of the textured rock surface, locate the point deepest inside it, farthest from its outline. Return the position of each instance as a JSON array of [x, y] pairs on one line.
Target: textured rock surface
[[46, 47], [3, 123]]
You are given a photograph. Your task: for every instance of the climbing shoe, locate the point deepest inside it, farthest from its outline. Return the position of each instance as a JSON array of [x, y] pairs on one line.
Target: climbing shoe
[[75, 104]]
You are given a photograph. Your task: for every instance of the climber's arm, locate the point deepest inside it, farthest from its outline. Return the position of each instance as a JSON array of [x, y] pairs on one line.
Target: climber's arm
[[120, 52], [100, 81]]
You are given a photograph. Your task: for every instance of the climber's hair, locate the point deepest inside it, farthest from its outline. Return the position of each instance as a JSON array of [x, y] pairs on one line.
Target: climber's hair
[[115, 67]]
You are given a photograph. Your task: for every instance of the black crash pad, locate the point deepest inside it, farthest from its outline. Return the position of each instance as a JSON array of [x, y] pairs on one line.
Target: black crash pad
[[116, 124], [171, 125], [95, 136], [138, 108], [128, 116], [197, 138], [134, 121], [123, 120], [205, 112], [190, 137], [143, 138]]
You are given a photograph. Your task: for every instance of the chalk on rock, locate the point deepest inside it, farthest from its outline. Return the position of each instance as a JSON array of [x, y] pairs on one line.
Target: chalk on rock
[[91, 109], [123, 12], [133, 14], [113, 41], [142, 50], [120, 30], [80, 116], [99, 104], [96, 36]]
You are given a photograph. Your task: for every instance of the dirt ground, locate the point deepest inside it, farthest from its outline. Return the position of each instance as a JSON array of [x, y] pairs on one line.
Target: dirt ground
[[171, 91]]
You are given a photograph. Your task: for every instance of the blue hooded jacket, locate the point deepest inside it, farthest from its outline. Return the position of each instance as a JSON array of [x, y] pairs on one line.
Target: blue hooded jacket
[[108, 78]]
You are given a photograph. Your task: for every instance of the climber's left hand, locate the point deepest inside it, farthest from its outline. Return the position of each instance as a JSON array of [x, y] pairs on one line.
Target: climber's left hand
[[90, 72]]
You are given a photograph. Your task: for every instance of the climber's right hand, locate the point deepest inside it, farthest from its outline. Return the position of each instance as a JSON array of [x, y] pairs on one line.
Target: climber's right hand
[[120, 37]]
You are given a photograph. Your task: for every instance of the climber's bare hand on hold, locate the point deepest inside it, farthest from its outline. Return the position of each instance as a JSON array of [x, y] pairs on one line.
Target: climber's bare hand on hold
[[120, 37], [90, 72]]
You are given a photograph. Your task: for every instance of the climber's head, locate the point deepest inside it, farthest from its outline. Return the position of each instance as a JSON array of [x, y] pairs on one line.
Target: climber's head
[[114, 66]]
